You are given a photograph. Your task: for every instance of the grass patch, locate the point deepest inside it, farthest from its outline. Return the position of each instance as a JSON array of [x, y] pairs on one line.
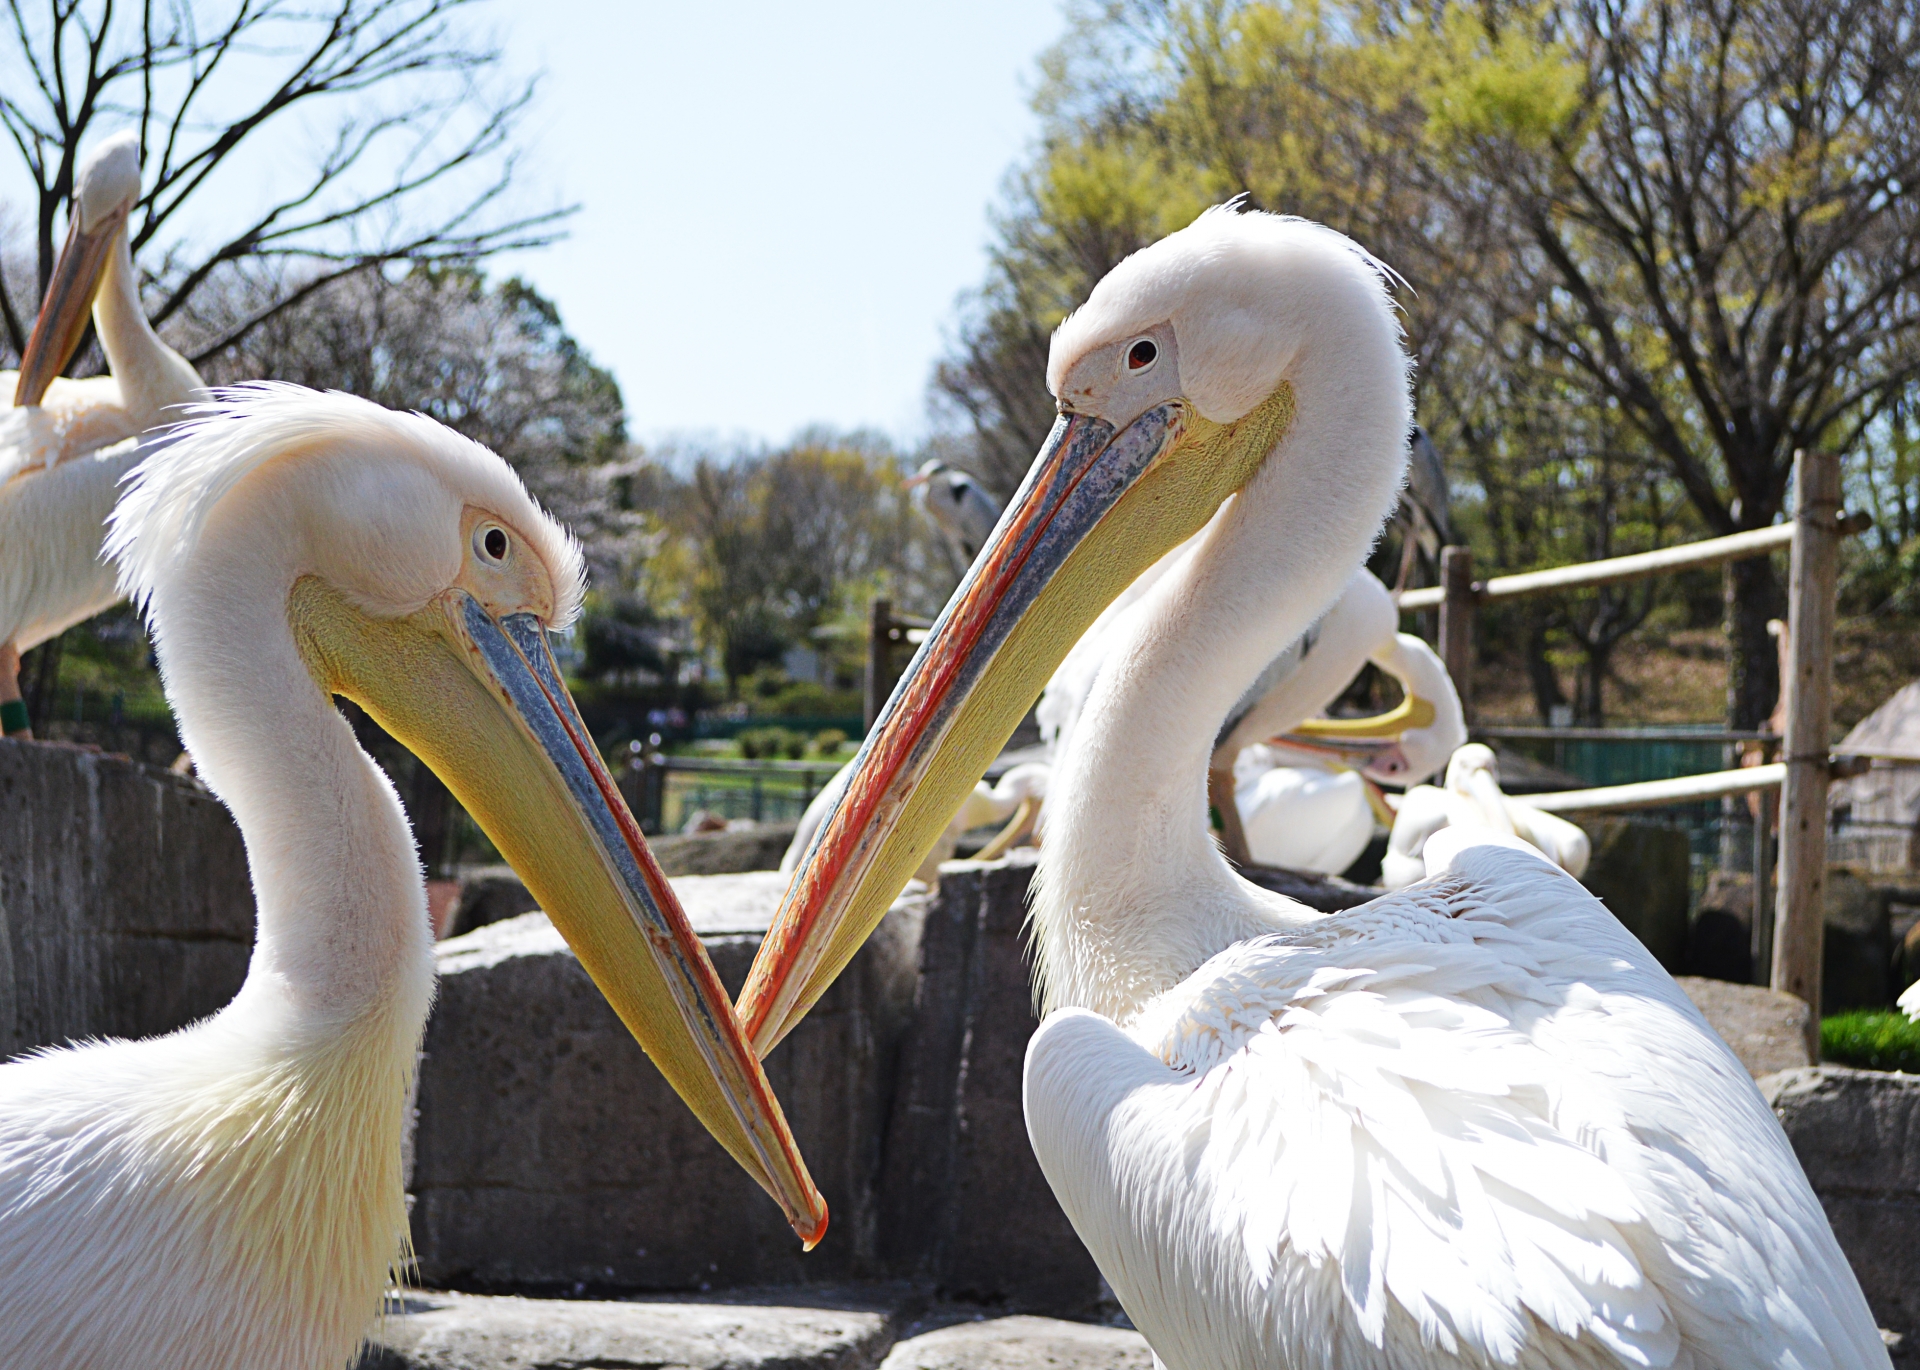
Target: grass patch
[[1872, 1039]]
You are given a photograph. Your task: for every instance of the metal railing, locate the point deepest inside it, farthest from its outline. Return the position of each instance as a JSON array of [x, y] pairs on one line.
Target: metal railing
[[664, 792]]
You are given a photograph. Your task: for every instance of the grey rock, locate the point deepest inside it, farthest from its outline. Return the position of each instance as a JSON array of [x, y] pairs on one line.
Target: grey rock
[[1022, 1343], [1766, 1028], [758, 848], [489, 894], [1720, 931], [1857, 956], [125, 906], [1642, 873], [1327, 893], [549, 1153], [794, 1330], [1857, 1134], [962, 1201]]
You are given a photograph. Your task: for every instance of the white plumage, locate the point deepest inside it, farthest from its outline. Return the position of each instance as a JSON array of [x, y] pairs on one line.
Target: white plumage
[[229, 1196], [1296, 810], [1470, 1124], [1472, 795], [63, 455]]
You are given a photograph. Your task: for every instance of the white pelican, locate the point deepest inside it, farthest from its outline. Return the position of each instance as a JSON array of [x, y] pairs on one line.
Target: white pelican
[[229, 1195], [962, 511], [1297, 808], [1472, 794], [1472, 1123], [1309, 814], [59, 466], [1014, 800]]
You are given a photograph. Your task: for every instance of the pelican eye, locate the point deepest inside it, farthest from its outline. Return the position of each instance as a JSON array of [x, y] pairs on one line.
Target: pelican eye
[[493, 543], [1142, 355]]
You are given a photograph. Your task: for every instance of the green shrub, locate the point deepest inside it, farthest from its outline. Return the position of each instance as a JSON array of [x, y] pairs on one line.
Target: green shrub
[[828, 741], [770, 744], [1872, 1039]]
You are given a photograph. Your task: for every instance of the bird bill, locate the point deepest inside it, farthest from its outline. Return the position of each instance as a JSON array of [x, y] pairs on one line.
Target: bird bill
[[479, 700], [1098, 507], [69, 303]]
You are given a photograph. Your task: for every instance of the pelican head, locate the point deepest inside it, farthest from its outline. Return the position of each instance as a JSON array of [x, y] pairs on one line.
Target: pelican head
[[1408, 743], [285, 541], [1176, 390], [106, 188]]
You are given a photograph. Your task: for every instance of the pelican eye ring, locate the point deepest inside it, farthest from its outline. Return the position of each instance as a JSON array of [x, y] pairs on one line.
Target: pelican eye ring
[[1142, 355], [493, 543]]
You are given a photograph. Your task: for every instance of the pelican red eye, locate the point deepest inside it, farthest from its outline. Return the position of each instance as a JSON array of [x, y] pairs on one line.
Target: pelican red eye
[[494, 544], [1142, 355]]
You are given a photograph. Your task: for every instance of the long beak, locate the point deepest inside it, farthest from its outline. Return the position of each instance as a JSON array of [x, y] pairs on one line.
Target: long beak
[[1097, 508], [1410, 713], [478, 699], [65, 311]]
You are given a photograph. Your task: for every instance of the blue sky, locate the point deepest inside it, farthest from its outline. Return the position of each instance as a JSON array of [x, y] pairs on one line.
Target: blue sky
[[779, 202]]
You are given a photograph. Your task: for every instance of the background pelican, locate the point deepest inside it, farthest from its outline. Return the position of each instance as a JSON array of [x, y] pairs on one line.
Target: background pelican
[[1472, 795], [1312, 803], [1469, 1124], [954, 502], [59, 466], [229, 1195]]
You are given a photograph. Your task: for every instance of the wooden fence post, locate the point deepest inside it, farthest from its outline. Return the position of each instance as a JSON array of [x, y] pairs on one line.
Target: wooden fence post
[[1456, 622], [1800, 926], [879, 682]]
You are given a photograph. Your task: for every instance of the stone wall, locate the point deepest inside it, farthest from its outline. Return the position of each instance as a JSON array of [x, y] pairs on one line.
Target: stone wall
[[549, 1153], [963, 1201], [1857, 1134], [125, 907]]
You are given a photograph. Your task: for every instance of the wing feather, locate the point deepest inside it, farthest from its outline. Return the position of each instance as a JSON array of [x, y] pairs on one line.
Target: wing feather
[[1471, 1123]]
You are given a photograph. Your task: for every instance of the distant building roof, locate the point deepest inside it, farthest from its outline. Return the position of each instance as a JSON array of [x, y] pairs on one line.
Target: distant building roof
[[1892, 730]]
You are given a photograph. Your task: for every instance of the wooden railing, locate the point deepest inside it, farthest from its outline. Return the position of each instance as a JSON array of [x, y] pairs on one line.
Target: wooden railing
[[1812, 540]]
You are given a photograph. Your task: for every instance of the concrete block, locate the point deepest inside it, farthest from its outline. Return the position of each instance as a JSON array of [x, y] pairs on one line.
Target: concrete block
[[549, 1153], [962, 1200], [1022, 1343], [1766, 1028], [788, 1330], [1857, 1134], [125, 905], [1643, 873]]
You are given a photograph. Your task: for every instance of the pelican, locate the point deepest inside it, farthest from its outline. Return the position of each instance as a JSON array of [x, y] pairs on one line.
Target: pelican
[[954, 502], [1013, 800], [62, 453], [1472, 795], [1472, 1123], [230, 1195], [1311, 801], [1308, 796]]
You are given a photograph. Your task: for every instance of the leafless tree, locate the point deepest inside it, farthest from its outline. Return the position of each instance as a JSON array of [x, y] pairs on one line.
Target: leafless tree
[[1724, 244], [415, 165]]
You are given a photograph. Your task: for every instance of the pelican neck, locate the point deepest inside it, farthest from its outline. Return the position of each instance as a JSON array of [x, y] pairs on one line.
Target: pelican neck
[[1133, 893], [151, 375], [342, 932]]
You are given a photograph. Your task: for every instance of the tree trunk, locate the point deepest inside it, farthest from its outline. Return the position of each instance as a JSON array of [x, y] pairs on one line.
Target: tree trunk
[[39, 680], [1593, 684], [1753, 669], [1540, 674]]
